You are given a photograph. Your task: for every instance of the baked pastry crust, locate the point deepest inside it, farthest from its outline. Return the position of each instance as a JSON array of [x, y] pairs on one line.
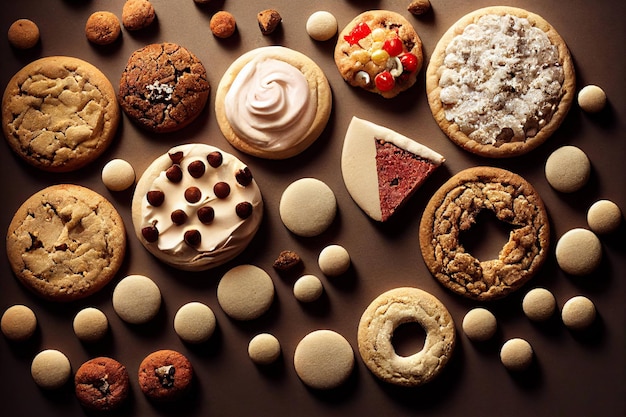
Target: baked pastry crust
[[320, 97], [59, 113], [503, 146]]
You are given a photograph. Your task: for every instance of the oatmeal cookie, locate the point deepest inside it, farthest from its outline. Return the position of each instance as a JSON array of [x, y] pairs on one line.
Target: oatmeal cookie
[[453, 209], [500, 81]]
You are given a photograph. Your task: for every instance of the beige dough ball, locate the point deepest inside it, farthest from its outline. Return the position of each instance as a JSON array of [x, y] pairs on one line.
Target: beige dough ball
[[50, 369], [23, 34], [568, 169], [334, 260], [516, 354], [245, 292], [118, 175], [307, 207], [90, 325], [136, 299], [479, 324], [592, 98], [578, 252], [308, 288], [321, 26], [539, 304], [194, 322], [323, 359], [578, 313], [604, 216], [18, 323], [264, 349]]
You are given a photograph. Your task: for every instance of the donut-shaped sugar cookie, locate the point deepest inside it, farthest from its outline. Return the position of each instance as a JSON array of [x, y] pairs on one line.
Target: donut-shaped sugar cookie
[[273, 102], [384, 315], [453, 209], [196, 207]]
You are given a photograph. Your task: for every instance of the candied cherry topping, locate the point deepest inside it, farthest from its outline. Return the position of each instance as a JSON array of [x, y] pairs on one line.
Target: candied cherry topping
[[244, 176], [196, 169], [206, 214], [359, 32], [244, 210], [178, 217], [409, 62], [221, 189], [193, 237], [215, 159], [150, 233], [193, 194], [174, 173], [384, 81], [155, 197], [393, 46]]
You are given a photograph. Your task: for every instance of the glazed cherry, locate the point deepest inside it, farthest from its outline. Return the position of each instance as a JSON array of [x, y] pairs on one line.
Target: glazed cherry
[[409, 62], [384, 81], [359, 32], [393, 46]]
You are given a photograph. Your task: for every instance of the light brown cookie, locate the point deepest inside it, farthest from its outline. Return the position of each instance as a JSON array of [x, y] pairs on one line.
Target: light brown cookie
[[165, 375], [101, 384], [379, 51], [66, 242], [453, 209], [383, 316], [137, 14], [102, 28], [23, 34], [164, 87], [500, 81], [273, 102], [59, 113]]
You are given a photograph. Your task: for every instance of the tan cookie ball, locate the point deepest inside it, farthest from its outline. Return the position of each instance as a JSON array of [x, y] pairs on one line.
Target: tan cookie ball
[[18, 323], [23, 34], [321, 26], [90, 325], [102, 28], [334, 260], [194, 322], [592, 99], [568, 169], [223, 24], [539, 304], [578, 313], [604, 216], [245, 292], [50, 369], [479, 324], [136, 299], [118, 175], [137, 14], [323, 359], [307, 207], [516, 354], [264, 349], [308, 288], [578, 252]]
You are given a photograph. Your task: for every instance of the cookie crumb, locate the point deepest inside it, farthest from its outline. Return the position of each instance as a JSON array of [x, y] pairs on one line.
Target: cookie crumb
[[23, 34], [419, 7], [223, 24], [287, 260], [269, 20]]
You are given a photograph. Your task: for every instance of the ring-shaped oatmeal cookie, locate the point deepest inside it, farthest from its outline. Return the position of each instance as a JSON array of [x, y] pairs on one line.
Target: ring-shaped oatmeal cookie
[[384, 315], [454, 208], [500, 81]]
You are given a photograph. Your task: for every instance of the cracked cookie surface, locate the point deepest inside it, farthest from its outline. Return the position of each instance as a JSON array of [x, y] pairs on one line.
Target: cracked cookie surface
[[101, 384], [59, 113], [164, 87], [66, 242], [454, 208]]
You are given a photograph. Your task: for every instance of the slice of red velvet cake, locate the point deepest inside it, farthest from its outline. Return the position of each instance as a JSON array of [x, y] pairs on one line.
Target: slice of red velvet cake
[[382, 168]]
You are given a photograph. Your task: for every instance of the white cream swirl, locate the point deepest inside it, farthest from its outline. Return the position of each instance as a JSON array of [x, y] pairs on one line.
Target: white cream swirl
[[269, 104]]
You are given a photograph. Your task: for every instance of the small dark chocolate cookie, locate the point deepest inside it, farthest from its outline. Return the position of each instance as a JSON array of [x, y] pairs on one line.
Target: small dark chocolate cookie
[[163, 87], [101, 384], [165, 375]]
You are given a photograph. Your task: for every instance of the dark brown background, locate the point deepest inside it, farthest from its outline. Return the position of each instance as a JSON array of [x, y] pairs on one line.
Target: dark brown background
[[573, 375]]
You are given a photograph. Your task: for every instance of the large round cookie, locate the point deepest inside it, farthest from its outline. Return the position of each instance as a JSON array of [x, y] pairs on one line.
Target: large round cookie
[[454, 209], [196, 207], [500, 81], [59, 113], [66, 242], [273, 102], [164, 87], [380, 52]]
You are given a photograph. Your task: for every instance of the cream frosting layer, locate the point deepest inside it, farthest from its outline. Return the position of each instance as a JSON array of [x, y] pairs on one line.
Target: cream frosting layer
[[268, 104]]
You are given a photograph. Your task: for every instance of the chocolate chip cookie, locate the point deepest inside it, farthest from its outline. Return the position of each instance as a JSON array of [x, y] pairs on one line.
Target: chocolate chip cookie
[[66, 242], [59, 113], [164, 87]]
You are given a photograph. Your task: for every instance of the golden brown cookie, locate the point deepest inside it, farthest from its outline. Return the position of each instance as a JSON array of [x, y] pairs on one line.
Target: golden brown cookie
[[273, 102], [379, 51], [59, 113], [101, 384], [66, 242], [137, 14], [165, 375], [164, 87], [23, 34], [500, 81], [102, 28], [454, 208]]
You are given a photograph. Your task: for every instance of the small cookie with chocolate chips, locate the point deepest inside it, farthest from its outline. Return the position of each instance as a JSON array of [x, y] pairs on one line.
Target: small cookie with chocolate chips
[[101, 384], [165, 375]]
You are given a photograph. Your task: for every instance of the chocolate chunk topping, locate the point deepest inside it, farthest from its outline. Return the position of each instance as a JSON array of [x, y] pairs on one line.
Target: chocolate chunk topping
[[150, 233], [193, 194], [174, 173], [221, 189], [196, 169], [244, 176], [166, 375], [155, 198], [193, 237], [176, 157], [243, 210], [215, 159], [206, 214], [287, 260], [178, 217]]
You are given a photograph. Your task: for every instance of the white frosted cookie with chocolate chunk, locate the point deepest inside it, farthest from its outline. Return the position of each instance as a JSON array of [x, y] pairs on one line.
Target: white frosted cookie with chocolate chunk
[[500, 81]]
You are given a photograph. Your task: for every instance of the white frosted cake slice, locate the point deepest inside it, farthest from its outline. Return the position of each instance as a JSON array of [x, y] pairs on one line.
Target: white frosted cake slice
[[382, 168]]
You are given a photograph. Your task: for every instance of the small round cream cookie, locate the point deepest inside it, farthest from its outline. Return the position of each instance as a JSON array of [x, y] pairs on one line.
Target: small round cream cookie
[[334, 260], [323, 359], [118, 175], [516, 354], [592, 99], [18, 323], [604, 217], [479, 324], [539, 304], [90, 325], [321, 25], [578, 251], [273, 102], [51, 369], [308, 288], [136, 299], [245, 292], [578, 313], [307, 207], [195, 322], [568, 169], [264, 349]]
